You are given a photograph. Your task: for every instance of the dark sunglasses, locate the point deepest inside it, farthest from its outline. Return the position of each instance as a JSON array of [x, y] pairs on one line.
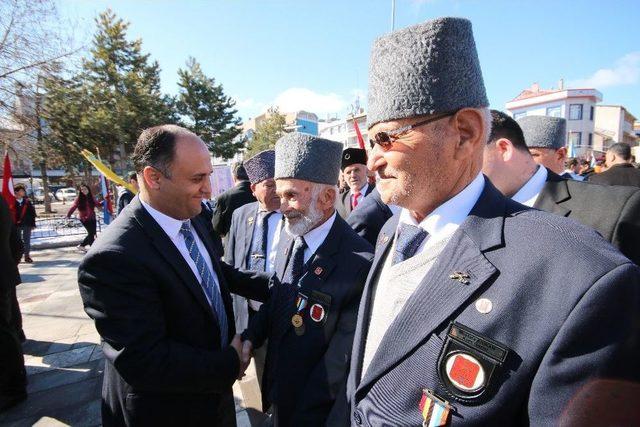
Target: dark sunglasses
[[385, 138]]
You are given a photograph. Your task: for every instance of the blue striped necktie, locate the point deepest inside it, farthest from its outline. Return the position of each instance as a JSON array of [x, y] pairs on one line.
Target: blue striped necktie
[[408, 241], [259, 253], [209, 283]]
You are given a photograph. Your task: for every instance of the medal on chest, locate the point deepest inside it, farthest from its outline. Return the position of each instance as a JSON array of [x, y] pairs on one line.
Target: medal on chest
[[296, 319]]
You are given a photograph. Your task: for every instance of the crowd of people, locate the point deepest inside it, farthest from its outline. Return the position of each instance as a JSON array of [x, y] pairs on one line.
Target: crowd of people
[[464, 275]]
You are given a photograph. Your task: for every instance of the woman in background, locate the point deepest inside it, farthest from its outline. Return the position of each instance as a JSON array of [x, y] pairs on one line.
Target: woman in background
[[85, 204]]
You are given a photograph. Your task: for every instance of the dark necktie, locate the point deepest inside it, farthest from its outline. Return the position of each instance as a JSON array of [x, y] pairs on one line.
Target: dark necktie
[[209, 284], [408, 241], [259, 253], [296, 263]]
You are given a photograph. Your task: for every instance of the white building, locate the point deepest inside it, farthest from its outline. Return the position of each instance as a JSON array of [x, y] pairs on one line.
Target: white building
[[577, 106], [343, 131], [613, 124]]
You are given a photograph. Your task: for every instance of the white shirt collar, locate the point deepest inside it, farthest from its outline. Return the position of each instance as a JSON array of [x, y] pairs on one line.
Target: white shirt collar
[[528, 194], [315, 237], [171, 226], [447, 217], [362, 191]]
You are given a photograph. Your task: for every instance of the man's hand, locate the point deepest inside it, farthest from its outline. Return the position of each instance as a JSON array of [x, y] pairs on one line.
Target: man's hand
[[247, 353], [236, 343]]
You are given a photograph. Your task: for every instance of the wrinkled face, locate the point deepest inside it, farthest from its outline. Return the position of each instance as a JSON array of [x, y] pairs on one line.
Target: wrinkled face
[[298, 203], [265, 192], [549, 158], [355, 176], [180, 195], [418, 164]]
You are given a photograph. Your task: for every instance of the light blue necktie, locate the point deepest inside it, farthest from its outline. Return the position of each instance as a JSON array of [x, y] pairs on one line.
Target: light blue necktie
[[409, 239], [209, 284]]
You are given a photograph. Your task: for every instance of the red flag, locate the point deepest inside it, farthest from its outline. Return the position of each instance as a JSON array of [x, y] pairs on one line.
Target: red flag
[[360, 139], [7, 186]]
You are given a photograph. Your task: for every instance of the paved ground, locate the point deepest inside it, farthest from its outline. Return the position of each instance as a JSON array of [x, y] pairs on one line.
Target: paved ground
[[62, 353]]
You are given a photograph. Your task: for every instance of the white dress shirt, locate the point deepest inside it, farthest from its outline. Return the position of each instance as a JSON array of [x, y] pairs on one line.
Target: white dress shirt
[[171, 227], [316, 237], [528, 194], [274, 224], [362, 192], [447, 217]]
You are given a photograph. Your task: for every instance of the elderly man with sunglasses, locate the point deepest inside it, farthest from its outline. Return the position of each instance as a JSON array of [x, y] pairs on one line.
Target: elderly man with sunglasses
[[469, 316]]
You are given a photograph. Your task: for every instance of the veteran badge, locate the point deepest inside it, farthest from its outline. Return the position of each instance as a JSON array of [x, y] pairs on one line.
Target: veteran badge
[[435, 411]]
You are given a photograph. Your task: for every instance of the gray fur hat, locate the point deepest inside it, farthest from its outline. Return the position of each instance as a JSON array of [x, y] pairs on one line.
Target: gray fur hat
[[261, 166], [428, 68], [307, 157], [544, 131]]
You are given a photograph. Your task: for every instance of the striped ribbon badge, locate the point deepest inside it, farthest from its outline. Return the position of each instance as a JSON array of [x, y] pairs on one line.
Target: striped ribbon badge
[[435, 411]]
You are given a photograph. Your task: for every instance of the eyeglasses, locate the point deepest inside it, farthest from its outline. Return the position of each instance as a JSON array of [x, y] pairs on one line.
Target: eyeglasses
[[385, 138]]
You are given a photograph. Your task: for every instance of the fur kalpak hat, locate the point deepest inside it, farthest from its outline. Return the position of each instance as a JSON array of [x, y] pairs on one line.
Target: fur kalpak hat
[[544, 131], [261, 166], [307, 157]]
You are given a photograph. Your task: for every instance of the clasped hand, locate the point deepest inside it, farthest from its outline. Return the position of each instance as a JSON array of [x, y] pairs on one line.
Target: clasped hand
[[245, 352]]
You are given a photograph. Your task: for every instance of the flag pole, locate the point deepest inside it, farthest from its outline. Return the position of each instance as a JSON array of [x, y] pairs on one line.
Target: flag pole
[[393, 15]]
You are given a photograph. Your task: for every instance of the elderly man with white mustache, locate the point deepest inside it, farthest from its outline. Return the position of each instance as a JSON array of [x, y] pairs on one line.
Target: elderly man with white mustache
[[310, 317]]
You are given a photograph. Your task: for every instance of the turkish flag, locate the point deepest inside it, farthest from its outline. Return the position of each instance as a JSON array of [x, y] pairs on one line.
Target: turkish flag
[[7, 187], [360, 139]]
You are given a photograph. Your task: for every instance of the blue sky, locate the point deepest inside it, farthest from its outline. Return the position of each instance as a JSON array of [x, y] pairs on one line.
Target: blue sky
[[314, 55]]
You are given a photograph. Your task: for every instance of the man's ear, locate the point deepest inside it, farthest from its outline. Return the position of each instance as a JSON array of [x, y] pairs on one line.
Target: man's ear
[[469, 124], [151, 177], [561, 153], [505, 148], [253, 189], [327, 198]]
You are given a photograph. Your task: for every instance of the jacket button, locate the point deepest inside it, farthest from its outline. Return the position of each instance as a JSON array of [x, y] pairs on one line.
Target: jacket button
[[357, 417]]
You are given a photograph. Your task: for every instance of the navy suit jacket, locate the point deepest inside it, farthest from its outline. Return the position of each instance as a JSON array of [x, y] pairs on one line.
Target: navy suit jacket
[[165, 364], [613, 211], [305, 375], [343, 201], [368, 219], [565, 305], [227, 202]]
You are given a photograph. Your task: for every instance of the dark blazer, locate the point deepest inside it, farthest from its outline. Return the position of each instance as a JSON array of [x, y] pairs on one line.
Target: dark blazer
[[343, 201], [614, 212], [621, 174], [25, 214], [228, 202], [565, 309], [305, 375], [206, 214], [165, 364], [368, 219]]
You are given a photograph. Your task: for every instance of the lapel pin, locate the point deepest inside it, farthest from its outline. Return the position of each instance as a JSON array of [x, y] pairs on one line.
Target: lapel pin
[[460, 277], [383, 239], [318, 271], [250, 220], [484, 305]]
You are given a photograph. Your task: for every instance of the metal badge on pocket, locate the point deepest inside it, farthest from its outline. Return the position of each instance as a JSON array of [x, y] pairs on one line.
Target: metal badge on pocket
[[468, 362]]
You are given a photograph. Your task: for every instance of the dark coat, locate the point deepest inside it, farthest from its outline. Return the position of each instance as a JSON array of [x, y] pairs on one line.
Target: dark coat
[[228, 202], [343, 201], [165, 364], [614, 212], [206, 214], [305, 375], [25, 213], [125, 198], [565, 305], [620, 174], [368, 219]]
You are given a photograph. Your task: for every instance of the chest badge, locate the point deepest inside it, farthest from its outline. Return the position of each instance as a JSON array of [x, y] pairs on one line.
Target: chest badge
[[250, 220], [317, 313], [465, 372], [460, 276]]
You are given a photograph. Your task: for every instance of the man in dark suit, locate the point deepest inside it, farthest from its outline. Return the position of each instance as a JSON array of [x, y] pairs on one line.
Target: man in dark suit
[[368, 219], [127, 195], [25, 219], [621, 170], [160, 297], [477, 310], [614, 212], [310, 317], [13, 379], [354, 172], [232, 199]]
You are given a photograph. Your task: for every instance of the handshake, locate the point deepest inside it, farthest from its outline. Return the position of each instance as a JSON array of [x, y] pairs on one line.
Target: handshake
[[245, 352]]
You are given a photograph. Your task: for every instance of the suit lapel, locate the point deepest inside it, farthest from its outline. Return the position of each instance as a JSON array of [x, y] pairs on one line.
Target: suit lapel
[[249, 226], [438, 296], [170, 253], [553, 194], [284, 251]]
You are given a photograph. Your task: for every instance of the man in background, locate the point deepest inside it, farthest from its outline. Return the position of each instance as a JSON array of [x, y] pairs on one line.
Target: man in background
[[227, 202], [620, 170]]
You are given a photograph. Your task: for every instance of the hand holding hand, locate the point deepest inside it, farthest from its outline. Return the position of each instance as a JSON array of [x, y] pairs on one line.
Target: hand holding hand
[[236, 343], [247, 353]]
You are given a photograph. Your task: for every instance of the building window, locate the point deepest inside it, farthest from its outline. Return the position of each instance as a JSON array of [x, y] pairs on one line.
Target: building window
[[554, 111], [575, 139], [591, 113], [517, 115], [591, 135], [575, 112]]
